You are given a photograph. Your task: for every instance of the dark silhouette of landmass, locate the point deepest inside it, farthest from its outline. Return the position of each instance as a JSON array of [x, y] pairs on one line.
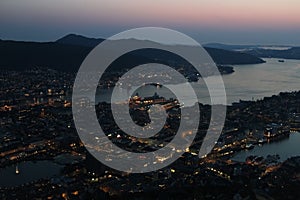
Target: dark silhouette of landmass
[[73, 39], [292, 53], [67, 54], [225, 57], [231, 47], [261, 51]]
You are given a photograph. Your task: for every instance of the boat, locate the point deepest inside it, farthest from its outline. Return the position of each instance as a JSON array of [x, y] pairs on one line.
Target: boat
[[249, 146], [261, 141], [281, 61], [17, 170], [156, 85]]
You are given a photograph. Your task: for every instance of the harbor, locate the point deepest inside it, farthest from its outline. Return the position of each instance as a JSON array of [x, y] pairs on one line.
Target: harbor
[[285, 148]]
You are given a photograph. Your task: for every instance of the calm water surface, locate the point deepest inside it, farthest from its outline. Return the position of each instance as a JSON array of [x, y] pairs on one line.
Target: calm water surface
[[29, 171], [285, 148], [248, 82]]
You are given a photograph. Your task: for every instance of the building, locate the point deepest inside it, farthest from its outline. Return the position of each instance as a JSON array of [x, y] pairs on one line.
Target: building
[[275, 130]]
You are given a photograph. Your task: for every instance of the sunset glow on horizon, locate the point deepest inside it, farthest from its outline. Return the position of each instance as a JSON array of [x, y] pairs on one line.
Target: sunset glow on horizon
[[81, 16]]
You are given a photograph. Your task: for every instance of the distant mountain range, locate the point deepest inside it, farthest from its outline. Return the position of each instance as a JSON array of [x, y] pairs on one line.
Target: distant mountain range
[[67, 54], [262, 51], [292, 53], [230, 47], [79, 40]]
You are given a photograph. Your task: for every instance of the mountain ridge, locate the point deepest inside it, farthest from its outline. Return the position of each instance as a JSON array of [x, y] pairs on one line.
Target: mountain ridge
[[262, 51], [68, 52]]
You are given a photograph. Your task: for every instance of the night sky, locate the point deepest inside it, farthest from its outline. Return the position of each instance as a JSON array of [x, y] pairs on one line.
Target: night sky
[[225, 21]]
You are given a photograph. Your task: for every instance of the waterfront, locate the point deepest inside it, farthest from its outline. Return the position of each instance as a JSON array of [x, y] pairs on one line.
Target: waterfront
[[45, 131], [248, 82], [285, 147], [29, 171]]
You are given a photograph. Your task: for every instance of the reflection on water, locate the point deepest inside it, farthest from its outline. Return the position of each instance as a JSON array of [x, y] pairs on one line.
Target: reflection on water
[[247, 82], [28, 171], [285, 148]]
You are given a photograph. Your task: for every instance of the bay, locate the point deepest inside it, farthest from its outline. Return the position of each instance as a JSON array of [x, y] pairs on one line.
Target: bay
[[248, 82]]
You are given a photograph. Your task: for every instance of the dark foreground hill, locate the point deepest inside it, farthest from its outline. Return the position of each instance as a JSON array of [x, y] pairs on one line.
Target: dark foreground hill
[[67, 54]]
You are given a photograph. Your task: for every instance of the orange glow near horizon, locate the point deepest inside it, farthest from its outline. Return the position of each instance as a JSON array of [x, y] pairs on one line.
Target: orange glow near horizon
[[259, 13], [225, 21]]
